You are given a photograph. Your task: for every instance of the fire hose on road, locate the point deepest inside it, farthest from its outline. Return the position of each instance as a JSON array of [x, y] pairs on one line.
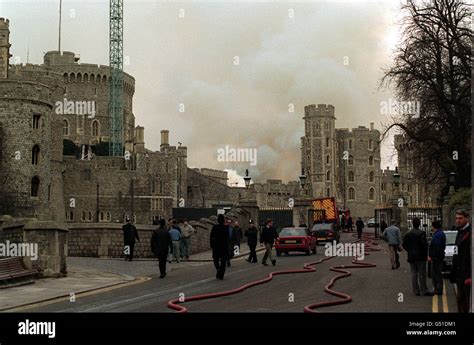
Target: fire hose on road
[[176, 304]]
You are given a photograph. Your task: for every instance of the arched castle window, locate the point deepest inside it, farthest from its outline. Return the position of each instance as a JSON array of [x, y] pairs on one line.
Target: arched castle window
[[327, 142], [370, 145], [351, 176], [351, 193], [65, 127], [92, 79], [371, 194], [327, 159], [66, 77], [86, 78], [35, 186], [79, 78], [371, 160], [104, 79], [72, 77], [351, 160], [328, 175], [83, 217], [95, 128], [35, 155], [98, 78], [371, 176]]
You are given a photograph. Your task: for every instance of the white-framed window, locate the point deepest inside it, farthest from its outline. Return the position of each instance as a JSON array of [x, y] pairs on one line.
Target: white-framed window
[[95, 128]]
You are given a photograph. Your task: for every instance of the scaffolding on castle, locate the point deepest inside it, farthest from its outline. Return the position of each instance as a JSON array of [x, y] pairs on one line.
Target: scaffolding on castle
[[116, 77]]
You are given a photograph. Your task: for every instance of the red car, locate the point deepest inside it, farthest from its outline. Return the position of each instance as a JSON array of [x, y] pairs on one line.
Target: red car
[[295, 240]]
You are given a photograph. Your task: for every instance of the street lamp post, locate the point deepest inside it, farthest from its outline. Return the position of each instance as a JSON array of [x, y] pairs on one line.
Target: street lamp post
[[247, 179]]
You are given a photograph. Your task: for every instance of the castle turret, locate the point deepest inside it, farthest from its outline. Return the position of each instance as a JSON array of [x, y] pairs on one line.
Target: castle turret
[[4, 47]]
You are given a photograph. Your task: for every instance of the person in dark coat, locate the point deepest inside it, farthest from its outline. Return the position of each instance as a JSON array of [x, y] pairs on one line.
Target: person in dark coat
[[251, 233], [383, 226], [360, 226], [160, 243], [349, 223], [414, 242], [129, 235], [232, 240], [219, 239], [461, 271], [238, 233], [268, 237], [436, 256]]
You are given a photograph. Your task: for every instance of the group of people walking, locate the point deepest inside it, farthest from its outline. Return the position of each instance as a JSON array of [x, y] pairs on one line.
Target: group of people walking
[[224, 244], [419, 252], [167, 242]]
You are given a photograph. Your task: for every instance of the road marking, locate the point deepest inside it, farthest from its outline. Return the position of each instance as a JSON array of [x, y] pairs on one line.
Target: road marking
[[435, 304], [445, 298]]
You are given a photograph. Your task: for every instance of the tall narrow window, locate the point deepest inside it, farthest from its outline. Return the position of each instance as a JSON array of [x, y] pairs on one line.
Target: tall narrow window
[[327, 142], [351, 160], [36, 121], [351, 176], [35, 186], [370, 145], [328, 192], [95, 128], [35, 155], [327, 159], [328, 175], [65, 127], [371, 160], [371, 194], [350, 144], [351, 193], [371, 176]]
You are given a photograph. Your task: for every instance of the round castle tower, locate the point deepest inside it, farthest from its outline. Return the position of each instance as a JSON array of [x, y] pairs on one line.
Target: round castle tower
[[30, 139]]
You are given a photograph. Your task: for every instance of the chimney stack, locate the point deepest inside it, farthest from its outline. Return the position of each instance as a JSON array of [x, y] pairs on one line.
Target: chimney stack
[[371, 126], [165, 140]]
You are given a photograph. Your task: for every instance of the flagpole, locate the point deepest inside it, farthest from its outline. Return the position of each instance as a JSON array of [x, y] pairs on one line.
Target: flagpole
[[60, 10]]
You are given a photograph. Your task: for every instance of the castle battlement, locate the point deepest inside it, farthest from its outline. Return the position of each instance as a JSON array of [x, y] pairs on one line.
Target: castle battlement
[[326, 110]]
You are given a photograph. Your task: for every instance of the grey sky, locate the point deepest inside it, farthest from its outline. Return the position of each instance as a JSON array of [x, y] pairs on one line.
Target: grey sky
[[190, 60]]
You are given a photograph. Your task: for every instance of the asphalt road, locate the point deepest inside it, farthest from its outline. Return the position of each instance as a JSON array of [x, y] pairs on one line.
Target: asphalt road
[[377, 289]]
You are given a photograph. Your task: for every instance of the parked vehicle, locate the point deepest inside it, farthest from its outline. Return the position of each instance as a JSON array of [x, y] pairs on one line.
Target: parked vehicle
[[295, 239], [448, 252], [371, 223], [326, 232]]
